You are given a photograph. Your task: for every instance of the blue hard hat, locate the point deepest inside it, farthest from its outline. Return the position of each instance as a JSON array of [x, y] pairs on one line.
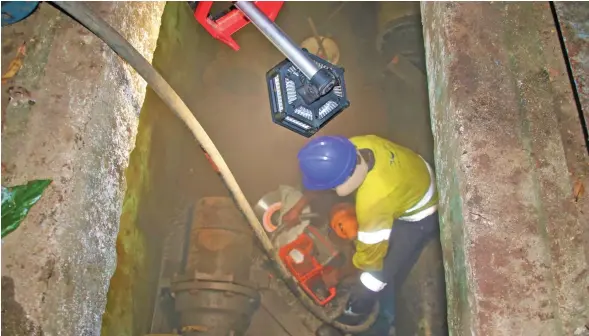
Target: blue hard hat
[[326, 162]]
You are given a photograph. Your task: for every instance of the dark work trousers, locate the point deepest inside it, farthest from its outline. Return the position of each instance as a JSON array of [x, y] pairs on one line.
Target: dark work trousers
[[406, 242]]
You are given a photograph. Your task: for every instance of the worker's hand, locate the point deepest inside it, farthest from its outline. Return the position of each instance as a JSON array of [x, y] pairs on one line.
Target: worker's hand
[[291, 217], [331, 277]]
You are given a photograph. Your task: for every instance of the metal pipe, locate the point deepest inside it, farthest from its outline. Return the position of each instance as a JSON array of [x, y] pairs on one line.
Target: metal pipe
[[280, 40]]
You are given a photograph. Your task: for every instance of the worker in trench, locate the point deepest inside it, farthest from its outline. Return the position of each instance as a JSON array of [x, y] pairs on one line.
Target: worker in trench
[[395, 198]]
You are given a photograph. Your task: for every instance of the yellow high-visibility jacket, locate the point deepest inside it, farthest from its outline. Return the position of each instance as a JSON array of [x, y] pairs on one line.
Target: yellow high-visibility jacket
[[401, 185]]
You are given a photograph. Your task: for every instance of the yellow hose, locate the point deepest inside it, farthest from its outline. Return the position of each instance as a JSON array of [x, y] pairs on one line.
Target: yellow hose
[[84, 15]]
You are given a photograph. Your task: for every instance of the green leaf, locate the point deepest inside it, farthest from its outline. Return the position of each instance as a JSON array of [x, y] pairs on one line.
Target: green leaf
[[17, 201]]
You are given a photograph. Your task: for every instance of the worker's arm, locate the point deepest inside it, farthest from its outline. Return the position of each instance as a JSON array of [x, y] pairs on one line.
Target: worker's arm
[[291, 217], [366, 258], [372, 242], [370, 253], [369, 257], [335, 276]]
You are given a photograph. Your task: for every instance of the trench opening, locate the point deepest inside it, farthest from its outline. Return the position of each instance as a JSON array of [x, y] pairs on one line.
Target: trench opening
[[380, 46]]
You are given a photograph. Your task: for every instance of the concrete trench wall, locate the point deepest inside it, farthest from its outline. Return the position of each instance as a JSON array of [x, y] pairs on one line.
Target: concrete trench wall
[[57, 266], [508, 150]]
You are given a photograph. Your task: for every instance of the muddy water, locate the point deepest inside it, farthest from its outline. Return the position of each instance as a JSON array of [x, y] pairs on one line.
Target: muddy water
[[227, 93]]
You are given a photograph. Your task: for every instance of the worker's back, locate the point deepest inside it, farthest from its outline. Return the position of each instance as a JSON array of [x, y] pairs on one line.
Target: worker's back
[[398, 180], [400, 183]]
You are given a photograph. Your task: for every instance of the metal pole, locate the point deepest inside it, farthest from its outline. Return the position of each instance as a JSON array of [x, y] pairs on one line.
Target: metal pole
[[282, 42]]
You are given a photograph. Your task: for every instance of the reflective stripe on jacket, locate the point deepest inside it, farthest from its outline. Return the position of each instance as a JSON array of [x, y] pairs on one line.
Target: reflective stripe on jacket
[[400, 185]]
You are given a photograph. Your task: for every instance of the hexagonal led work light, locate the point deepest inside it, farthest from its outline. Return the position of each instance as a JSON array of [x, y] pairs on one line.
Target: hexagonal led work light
[[306, 92], [296, 104]]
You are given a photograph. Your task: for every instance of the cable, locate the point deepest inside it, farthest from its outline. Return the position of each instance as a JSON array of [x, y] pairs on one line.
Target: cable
[[571, 75], [81, 13]]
